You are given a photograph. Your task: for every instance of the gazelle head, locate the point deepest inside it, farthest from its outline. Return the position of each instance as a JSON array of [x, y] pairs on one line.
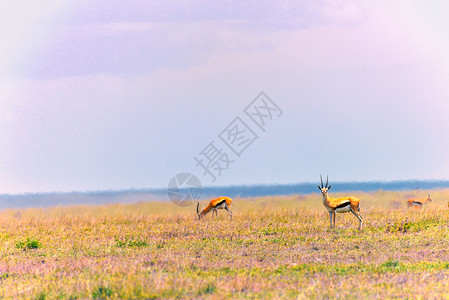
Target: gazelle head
[[428, 198], [324, 188]]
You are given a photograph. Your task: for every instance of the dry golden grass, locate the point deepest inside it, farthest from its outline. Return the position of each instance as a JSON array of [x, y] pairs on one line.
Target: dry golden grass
[[276, 247]]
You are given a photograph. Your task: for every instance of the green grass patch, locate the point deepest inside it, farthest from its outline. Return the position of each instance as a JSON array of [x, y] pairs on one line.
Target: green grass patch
[[102, 292], [208, 289], [130, 242], [28, 244]]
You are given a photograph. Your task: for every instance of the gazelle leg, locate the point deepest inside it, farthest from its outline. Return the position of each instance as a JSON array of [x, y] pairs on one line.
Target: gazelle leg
[[359, 216], [229, 211], [334, 213], [330, 218]]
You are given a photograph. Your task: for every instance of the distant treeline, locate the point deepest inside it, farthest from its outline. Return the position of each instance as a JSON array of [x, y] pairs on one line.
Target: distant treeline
[[139, 195]]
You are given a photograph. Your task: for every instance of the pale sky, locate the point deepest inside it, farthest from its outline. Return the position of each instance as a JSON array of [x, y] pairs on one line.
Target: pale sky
[[98, 95]]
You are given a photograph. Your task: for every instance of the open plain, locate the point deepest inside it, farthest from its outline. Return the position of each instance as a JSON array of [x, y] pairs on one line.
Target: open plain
[[275, 247]]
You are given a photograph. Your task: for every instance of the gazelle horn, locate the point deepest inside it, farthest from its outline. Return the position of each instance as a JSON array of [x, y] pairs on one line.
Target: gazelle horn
[[321, 181], [327, 180]]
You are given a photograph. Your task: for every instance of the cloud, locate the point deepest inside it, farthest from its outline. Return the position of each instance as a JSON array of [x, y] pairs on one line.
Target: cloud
[[117, 38]]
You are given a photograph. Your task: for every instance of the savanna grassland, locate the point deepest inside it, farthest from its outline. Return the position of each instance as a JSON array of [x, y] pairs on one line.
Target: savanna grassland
[[276, 247]]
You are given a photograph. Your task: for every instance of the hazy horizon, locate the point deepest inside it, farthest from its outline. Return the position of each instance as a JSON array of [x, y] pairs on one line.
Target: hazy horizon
[[337, 186]]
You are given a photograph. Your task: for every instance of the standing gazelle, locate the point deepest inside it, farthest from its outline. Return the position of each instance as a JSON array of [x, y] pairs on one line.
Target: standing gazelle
[[418, 202], [218, 203], [339, 205]]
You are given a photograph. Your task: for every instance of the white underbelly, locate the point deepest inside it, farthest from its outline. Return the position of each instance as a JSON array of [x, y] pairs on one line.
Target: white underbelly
[[343, 209]]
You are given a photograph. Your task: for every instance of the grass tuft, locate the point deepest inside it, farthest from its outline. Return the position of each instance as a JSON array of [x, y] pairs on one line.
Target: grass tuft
[[208, 289], [28, 244], [129, 242], [102, 292], [391, 264]]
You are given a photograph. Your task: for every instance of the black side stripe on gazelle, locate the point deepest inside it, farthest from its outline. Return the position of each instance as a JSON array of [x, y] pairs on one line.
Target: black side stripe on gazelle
[[343, 205], [416, 203], [220, 203]]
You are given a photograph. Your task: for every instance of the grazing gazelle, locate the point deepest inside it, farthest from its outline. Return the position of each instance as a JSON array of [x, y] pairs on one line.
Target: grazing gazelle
[[418, 202], [218, 203], [339, 205]]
